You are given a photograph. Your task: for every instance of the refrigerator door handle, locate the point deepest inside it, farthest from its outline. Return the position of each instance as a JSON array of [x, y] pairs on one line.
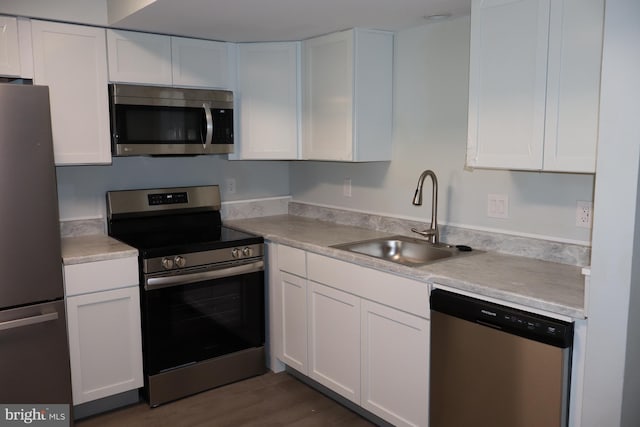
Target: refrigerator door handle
[[18, 323]]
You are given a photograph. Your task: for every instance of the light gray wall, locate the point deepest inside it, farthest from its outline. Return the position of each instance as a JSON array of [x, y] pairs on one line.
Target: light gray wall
[[612, 381], [430, 132], [81, 189]]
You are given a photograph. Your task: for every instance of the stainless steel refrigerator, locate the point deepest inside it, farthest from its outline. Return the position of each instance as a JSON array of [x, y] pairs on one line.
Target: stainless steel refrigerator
[[34, 352]]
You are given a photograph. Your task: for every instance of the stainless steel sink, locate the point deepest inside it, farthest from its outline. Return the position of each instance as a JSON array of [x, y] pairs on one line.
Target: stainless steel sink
[[405, 250]]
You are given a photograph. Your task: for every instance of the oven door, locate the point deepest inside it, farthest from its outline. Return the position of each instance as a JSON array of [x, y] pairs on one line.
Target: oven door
[[202, 314]]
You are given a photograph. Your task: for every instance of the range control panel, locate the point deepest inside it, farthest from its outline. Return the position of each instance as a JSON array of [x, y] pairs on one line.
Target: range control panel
[[156, 199], [222, 256]]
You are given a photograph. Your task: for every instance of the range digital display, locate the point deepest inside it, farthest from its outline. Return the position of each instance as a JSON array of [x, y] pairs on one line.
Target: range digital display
[[167, 198]]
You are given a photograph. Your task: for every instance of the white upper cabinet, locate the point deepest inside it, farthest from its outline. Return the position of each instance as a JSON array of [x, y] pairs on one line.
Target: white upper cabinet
[[164, 60], [573, 85], [72, 61], [202, 63], [139, 57], [347, 96], [9, 47], [268, 98], [16, 55], [534, 84]]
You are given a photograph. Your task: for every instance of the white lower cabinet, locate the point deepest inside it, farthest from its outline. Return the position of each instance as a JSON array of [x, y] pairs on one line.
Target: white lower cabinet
[[362, 333], [294, 321], [395, 365], [334, 348], [105, 346]]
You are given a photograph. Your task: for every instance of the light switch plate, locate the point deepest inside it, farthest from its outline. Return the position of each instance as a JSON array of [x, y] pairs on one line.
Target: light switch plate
[[346, 187], [498, 206]]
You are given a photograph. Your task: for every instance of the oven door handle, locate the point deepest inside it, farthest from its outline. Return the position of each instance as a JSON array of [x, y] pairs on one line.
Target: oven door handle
[[183, 279]]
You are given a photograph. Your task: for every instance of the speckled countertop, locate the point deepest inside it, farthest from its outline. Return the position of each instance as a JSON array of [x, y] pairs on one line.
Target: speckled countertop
[[553, 287], [95, 247]]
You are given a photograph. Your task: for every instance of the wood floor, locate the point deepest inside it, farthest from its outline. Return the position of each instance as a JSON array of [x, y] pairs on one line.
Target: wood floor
[[267, 400]]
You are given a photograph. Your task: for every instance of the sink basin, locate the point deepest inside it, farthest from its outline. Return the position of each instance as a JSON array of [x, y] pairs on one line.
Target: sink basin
[[405, 250]]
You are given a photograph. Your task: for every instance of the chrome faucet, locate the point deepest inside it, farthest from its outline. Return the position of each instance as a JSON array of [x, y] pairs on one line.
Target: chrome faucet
[[432, 233]]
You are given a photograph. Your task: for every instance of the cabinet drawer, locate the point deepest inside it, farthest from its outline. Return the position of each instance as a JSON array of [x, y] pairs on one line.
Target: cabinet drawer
[[398, 292], [292, 260], [100, 275]]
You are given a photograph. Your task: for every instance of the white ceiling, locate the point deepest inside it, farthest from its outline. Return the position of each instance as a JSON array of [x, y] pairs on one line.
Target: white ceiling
[[277, 20]]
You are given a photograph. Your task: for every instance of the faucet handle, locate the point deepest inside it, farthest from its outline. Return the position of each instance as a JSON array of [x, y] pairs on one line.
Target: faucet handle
[[425, 233]]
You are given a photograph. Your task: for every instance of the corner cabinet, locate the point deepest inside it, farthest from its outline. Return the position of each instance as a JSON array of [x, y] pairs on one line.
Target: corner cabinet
[[268, 98], [534, 84], [103, 316], [348, 96], [364, 339], [154, 59], [72, 61]]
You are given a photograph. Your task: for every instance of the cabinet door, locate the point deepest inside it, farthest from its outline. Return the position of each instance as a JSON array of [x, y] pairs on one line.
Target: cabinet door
[[293, 294], [573, 93], [395, 365], [269, 100], [507, 83], [202, 63], [328, 97], [71, 60], [9, 47], [334, 340], [104, 343], [139, 57]]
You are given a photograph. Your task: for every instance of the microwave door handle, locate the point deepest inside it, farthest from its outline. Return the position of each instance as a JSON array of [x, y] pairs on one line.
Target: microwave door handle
[[209, 135]]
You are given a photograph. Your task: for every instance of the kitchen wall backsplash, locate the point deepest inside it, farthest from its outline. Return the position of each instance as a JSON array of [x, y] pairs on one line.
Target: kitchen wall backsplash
[[82, 227], [241, 209], [238, 209], [546, 250]]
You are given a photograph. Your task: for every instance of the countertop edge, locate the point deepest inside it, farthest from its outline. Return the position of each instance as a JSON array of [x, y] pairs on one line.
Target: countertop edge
[[94, 248], [423, 274]]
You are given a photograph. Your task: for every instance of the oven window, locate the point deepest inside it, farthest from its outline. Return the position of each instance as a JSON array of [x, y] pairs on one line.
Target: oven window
[[190, 323]]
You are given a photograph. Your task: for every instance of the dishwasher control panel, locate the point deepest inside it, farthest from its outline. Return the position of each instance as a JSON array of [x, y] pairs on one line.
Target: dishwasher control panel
[[528, 325]]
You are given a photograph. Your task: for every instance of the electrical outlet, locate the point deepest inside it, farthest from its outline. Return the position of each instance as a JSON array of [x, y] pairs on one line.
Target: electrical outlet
[[230, 185], [584, 214], [346, 187], [498, 206]]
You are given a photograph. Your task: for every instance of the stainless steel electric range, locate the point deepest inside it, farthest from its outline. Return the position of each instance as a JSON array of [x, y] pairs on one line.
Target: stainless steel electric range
[[202, 289]]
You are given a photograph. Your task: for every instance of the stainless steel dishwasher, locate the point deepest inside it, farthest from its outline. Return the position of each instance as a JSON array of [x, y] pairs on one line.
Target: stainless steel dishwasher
[[495, 366]]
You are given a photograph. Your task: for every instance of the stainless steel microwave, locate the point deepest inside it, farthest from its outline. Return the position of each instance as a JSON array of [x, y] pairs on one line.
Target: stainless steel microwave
[[168, 121]]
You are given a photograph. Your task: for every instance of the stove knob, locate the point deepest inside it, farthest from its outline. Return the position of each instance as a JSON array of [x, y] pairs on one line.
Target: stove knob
[[167, 263], [180, 261], [247, 251], [235, 252]]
